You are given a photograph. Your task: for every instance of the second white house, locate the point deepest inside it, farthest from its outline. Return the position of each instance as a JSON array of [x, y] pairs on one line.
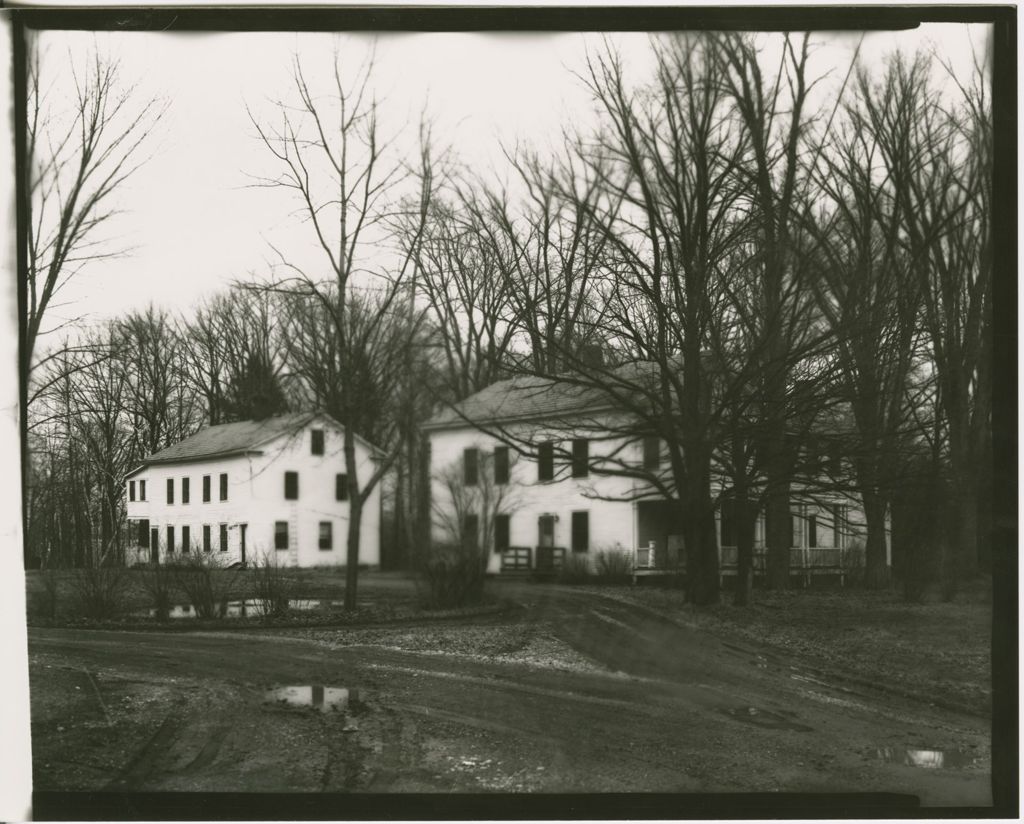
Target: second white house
[[248, 490]]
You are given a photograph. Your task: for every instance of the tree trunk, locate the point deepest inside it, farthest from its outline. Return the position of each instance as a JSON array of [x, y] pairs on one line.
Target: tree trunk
[[967, 532], [701, 552], [745, 514], [876, 570], [355, 517], [778, 536]]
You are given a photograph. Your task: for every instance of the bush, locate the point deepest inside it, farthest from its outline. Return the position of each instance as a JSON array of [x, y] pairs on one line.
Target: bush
[[575, 569], [614, 566], [100, 590], [158, 582], [206, 583], [272, 589], [451, 576]]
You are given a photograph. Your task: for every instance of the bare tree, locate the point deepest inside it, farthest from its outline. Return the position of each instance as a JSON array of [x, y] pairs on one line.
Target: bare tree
[[81, 150], [335, 162], [938, 158]]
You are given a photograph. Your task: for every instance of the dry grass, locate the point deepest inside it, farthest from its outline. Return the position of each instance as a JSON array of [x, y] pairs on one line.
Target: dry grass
[[940, 652]]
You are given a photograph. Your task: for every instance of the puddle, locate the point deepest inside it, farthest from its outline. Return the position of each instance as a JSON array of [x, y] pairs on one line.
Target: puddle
[[251, 607], [325, 699], [763, 718], [928, 759]]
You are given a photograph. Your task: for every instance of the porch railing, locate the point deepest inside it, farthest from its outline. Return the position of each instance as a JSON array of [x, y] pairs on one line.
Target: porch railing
[[550, 558], [517, 558]]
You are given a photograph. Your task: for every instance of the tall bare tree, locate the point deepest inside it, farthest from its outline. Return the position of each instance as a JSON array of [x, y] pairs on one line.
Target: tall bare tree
[[334, 160], [82, 148]]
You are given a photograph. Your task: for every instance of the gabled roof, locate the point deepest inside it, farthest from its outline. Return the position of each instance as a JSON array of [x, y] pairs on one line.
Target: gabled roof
[[527, 397], [238, 438]]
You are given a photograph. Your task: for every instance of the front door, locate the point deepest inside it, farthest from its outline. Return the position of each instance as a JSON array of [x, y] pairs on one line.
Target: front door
[[154, 545], [242, 528], [546, 531]]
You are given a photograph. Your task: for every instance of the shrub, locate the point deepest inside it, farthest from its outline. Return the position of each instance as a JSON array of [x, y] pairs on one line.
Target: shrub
[[614, 566], [158, 582], [451, 576], [206, 583], [100, 590], [272, 589], [854, 563], [575, 569]]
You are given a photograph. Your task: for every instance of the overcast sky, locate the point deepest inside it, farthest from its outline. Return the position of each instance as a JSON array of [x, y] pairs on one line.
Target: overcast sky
[[196, 227]]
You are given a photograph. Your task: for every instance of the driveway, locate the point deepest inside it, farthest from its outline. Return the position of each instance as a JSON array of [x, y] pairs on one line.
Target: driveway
[[595, 696]]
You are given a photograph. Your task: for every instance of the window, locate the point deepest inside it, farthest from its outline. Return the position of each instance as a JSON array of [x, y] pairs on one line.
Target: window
[[186, 542], [207, 543], [728, 522], [652, 452], [170, 490], [206, 489], [470, 461], [471, 532], [580, 458], [501, 532], [131, 490], [142, 490], [223, 537], [318, 442], [280, 535], [326, 535], [341, 487], [501, 465], [546, 461], [144, 533], [291, 486], [170, 539], [184, 490], [580, 531], [812, 531], [223, 486]]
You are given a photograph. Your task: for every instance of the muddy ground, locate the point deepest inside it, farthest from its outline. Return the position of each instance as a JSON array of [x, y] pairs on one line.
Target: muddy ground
[[570, 692]]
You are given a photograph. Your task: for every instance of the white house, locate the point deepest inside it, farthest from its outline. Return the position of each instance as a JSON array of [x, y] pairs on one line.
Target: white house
[[556, 500], [247, 490]]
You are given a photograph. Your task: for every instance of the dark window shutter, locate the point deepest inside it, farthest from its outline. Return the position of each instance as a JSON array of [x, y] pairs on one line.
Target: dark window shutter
[[170, 490], [580, 458], [131, 490], [223, 537], [652, 452], [580, 531], [223, 486], [471, 532], [291, 486], [144, 533], [170, 539], [546, 461], [280, 535], [470, 461], [341, 487], [501, 465], [142, 490], [501, 532], [184, 490], [812, 531], [186, 539], [318, 442], [206, 489], [207, 545]]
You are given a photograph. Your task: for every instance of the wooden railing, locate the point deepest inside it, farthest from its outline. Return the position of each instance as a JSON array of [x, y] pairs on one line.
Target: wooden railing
[[550, 558], [516, 558]]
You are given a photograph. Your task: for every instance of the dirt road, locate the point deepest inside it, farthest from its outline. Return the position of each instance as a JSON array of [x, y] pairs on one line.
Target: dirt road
[[570, 693]]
